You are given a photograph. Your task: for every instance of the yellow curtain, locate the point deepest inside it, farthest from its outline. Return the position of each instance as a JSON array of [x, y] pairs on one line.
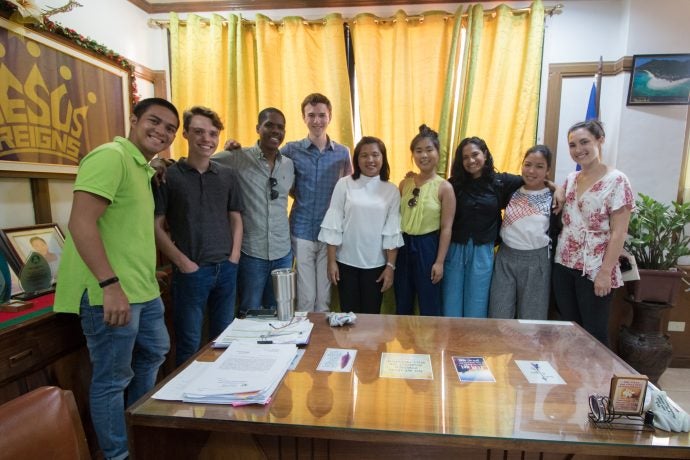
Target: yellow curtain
[[212, 64], [295, 58], [242, 105], [238, 68], [399, 83], [501, 70], [449, 135]]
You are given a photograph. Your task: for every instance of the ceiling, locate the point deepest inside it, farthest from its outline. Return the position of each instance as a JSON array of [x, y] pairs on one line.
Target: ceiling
[[193, 6]]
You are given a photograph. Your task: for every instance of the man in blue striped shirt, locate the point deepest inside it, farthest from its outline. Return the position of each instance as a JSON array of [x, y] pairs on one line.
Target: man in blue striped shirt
[[319, 162]]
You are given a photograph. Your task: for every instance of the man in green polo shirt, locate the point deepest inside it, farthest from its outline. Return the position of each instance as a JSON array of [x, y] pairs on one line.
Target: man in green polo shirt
[[108, 269]]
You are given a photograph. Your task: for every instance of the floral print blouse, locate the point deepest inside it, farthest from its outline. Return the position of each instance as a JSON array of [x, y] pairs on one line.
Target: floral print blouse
[[586, 223]]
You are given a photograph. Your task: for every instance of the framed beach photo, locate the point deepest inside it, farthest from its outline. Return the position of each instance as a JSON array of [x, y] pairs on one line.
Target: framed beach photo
[[45, 239], [659, 79]]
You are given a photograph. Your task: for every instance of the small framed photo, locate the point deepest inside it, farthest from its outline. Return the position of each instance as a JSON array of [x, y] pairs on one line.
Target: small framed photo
[[659, 79], [627, 394], [45, 239]]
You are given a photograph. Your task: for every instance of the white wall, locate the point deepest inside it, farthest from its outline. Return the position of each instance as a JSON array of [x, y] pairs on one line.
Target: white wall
[[120, 26], [17, 209], [652, 136], [60, 201]]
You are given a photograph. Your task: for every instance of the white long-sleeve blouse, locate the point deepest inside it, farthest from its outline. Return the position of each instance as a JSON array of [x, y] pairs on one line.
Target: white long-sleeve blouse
[[363, 220]]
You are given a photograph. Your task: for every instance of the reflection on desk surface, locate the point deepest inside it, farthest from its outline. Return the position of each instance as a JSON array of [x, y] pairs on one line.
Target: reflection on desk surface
[[510, 408]]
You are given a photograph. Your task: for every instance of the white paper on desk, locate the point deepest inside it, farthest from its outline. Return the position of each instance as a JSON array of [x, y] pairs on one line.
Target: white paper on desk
[[174, 389], [296, 331], [337, 360], [545, 321], [243, 368], [297, 359], [540, 372], [406, 366]]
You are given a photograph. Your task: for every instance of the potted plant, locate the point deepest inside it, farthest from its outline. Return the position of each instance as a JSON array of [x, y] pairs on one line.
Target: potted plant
[[656, 238]]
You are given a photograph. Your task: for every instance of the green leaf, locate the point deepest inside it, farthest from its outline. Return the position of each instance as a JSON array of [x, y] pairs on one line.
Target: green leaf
[[656, 233]]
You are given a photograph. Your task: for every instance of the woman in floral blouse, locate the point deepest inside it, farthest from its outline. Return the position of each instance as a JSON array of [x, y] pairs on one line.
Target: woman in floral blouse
[[597, 209]]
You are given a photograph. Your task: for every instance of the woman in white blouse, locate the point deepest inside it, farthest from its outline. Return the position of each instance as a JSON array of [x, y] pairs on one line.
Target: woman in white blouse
[[362, 230]]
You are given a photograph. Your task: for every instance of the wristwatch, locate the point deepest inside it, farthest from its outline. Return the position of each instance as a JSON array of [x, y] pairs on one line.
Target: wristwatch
[[109, 281]]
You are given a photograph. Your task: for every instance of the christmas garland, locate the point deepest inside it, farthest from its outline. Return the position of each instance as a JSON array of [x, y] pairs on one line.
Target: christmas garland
[[83, 42]]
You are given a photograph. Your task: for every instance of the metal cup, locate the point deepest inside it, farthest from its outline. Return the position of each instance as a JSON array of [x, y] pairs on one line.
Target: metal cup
[[284, 291]]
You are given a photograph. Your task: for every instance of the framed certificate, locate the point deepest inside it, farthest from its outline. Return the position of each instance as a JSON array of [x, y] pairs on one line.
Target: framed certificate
[[627, 394]]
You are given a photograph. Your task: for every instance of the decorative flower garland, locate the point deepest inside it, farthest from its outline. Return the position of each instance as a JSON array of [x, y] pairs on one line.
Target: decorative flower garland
[[83, 42]]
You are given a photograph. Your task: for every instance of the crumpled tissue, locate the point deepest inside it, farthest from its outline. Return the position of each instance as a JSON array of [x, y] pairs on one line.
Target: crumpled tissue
[[340, 319]]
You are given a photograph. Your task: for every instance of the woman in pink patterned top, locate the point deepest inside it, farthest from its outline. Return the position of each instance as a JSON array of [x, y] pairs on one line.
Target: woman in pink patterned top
[[597, 209]]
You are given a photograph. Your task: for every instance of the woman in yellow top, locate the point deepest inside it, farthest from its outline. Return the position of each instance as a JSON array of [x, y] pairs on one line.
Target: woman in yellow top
[[427, 208]]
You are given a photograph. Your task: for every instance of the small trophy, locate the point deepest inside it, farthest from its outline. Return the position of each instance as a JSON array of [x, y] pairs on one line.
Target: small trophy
[[6, 304], [35, 277]]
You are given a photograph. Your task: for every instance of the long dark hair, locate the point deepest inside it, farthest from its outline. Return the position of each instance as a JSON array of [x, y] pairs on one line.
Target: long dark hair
[[457, 172], [385, 172]]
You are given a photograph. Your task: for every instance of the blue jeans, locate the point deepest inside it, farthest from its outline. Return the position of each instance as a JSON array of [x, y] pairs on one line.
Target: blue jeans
[[122, 358], [254, 281], [413, 276], [213, 285], [466, 281]]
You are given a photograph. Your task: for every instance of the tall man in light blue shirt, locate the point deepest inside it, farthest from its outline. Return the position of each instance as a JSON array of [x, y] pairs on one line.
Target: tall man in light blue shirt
[[319, 163]]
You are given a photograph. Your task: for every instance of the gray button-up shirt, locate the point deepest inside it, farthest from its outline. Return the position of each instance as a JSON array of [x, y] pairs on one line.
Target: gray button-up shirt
[[266, 229]]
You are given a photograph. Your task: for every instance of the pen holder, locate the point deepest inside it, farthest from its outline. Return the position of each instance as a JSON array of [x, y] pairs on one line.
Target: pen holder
[[284, 291]]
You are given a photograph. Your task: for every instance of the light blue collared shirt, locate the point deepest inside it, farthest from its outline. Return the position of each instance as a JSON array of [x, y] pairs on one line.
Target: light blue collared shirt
[[316, 174]]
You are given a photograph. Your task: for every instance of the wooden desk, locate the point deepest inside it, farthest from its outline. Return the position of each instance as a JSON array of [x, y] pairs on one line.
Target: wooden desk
[[359, 415]]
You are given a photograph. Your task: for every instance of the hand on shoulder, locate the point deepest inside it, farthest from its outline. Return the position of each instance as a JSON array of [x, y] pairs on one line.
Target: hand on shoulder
[[232, 144], [160, 165]]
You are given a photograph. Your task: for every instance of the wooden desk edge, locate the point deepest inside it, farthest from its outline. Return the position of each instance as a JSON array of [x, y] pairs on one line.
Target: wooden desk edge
[[136, 422]]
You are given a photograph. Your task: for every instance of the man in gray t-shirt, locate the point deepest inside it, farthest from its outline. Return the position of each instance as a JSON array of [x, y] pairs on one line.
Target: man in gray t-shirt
[[266, 177]]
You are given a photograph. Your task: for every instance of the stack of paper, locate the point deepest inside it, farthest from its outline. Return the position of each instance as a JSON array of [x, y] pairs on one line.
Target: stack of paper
[[296, 331], [245, 373]]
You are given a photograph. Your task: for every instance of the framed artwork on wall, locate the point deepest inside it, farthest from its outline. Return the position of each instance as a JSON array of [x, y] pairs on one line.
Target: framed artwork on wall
[[45, 239], [59, 102], [659, 79]]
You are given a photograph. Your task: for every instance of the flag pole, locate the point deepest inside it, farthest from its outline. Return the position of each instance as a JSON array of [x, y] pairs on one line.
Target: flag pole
[[600, 72]]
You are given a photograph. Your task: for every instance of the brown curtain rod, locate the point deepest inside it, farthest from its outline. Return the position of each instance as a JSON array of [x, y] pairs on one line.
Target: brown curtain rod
[[557, 9]]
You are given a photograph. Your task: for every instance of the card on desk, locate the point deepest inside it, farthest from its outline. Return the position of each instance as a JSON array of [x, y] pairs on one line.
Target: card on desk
[[406, 366], [539, 372], [337, 360], [472, 369]]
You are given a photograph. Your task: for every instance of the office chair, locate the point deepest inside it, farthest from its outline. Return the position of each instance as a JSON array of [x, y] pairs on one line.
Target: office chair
[[42, 424]]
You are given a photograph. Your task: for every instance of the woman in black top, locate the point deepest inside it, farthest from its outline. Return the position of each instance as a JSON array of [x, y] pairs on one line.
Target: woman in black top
[[481, 193]]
